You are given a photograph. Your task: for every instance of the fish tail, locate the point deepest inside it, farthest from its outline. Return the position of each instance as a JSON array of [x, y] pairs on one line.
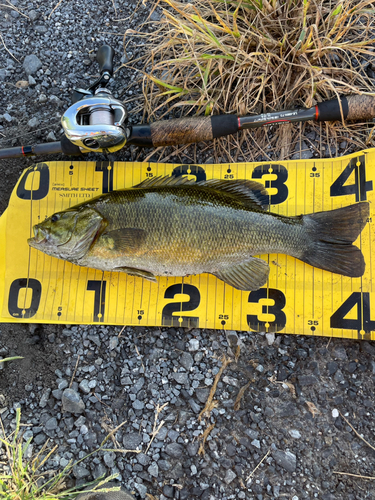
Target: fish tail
[[331, 234]]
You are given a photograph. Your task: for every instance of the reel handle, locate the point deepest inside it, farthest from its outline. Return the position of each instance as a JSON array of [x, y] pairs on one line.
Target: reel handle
[[105, 56]]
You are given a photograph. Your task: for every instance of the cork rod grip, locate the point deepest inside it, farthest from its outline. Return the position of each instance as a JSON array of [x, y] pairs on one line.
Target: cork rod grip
[[181, 131], [361, 107], [191, 130]]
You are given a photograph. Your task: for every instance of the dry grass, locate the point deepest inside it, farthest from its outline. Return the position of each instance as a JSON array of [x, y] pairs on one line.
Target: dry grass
[[253, 56], [240, 395], [204, 437], [211, 403]]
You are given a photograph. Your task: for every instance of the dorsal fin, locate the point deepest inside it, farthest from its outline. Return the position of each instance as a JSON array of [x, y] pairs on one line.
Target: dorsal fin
[[249, 192], [166, 181]]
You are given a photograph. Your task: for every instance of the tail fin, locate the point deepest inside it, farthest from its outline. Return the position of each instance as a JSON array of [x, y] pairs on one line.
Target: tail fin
[[332, 234]]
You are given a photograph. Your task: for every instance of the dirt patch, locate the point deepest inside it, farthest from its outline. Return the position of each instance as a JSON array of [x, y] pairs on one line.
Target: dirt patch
[[41, 358]]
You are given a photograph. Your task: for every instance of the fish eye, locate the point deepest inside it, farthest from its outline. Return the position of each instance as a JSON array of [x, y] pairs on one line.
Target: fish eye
[[55, 218]]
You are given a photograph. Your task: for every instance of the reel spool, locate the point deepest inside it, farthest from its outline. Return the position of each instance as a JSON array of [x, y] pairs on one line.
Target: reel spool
[[96, 122]]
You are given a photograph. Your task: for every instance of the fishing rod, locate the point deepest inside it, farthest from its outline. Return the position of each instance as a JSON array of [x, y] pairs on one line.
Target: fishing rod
[[97, 122]]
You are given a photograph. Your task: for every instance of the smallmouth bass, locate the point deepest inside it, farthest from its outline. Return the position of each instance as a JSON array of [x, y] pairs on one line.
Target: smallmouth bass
[[172, 226]]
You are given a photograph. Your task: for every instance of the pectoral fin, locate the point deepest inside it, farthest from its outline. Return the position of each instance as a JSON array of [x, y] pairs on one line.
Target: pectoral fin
[[127, 239], [132, 271], [247, 276]]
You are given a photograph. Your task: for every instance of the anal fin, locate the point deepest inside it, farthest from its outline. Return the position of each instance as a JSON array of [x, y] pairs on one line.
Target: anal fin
[[248, 276], [132, 271]]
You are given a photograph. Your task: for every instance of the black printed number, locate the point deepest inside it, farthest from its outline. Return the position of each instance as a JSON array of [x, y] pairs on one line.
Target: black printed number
[[278, 183], [179, 307], [276, 309], [361, 301], [99, 287], [196, 170], [360, 186], [40, 189], [32, 285], [106, 167]]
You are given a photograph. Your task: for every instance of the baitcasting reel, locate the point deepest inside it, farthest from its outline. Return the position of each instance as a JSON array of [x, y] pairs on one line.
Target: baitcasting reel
[[97, 121]]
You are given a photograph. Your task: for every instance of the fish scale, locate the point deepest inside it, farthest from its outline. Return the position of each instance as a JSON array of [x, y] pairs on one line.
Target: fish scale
[[207, 231]]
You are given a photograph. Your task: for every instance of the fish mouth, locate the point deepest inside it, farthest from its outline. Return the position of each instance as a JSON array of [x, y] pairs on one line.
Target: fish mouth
[[40, 237]]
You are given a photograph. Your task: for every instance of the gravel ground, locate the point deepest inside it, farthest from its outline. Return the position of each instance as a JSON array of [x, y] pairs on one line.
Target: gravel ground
[[289, 432]]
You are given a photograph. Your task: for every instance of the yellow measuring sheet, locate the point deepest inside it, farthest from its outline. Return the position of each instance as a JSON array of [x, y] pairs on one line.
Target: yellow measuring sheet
[[298, 298]]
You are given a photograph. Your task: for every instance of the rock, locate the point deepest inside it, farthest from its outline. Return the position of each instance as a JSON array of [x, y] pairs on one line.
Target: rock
[[286, 410], [202, 394], [232, 338], [51, 424], [153, 470], [109, 459], [270, 338], [40, 439], [143, 459], [3, 74], [31, 64], [286, 459], [352, 366], [95, 339], [113, 343], [51, 137], [193, 345], [80, 471], [164, 465], [99, 470], [72, 401], [84, 386], [305, 380], [142, 489], [132, 440], [192, 448], [338, 376], [155, 16], [62, 384], [138, 405], [180, 377], [168, 491], [229, 476], [186, 360], [302, 152], [332, 367], [194, 406], [174, 450], [42, 30], [311, 135], [34, 15], [335, 413], [7, 117], [55, 100], [340, 353], [231, 381], [57, 394], [295, 434], [44, 399]]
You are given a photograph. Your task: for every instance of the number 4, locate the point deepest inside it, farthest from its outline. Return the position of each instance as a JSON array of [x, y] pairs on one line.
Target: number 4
[[362, 322], [360, 186]]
